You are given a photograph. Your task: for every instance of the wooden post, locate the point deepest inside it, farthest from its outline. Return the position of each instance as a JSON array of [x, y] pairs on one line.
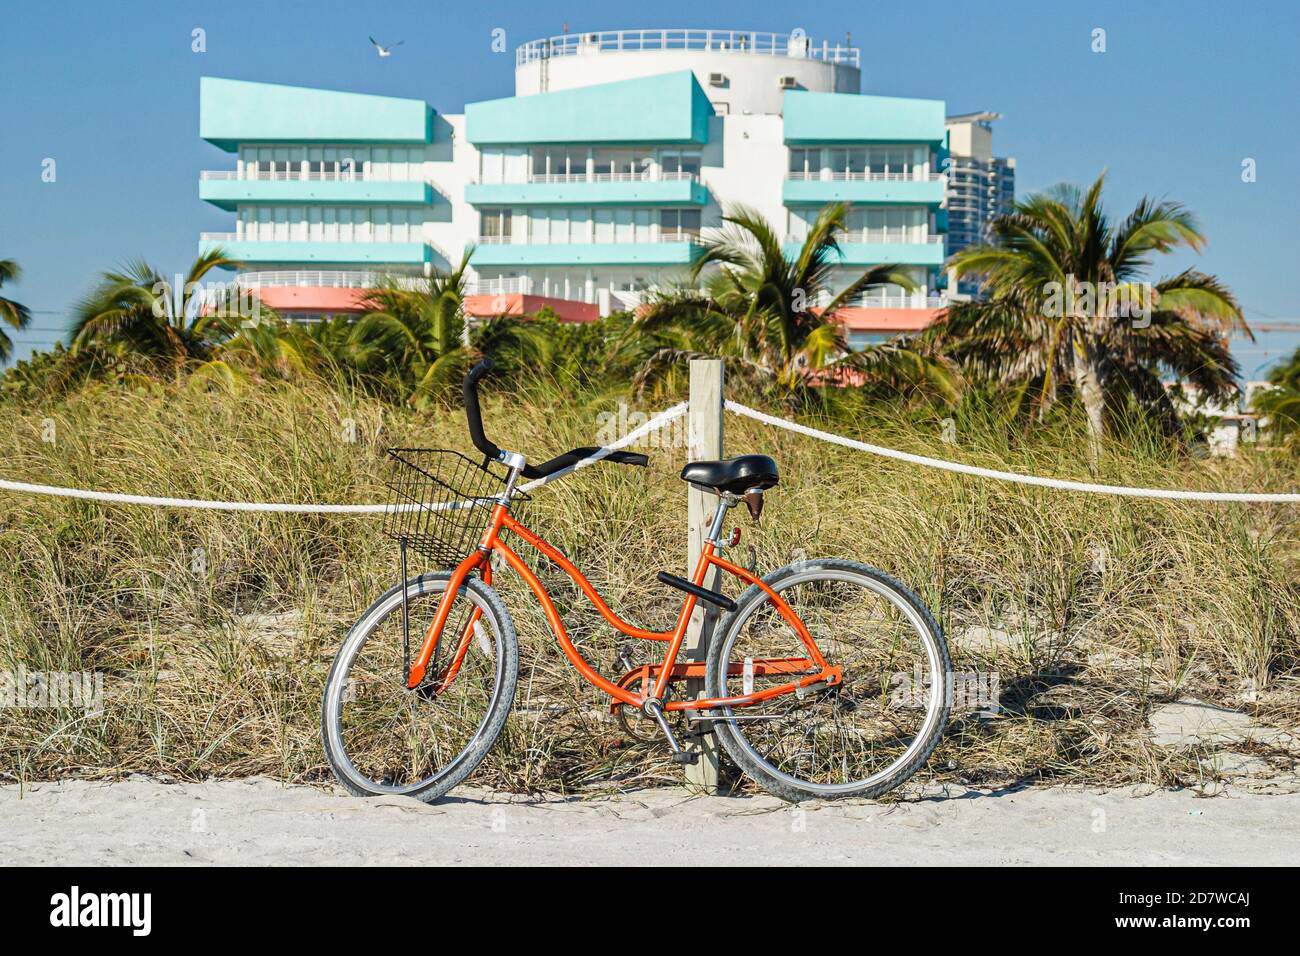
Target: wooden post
[[704, 441]]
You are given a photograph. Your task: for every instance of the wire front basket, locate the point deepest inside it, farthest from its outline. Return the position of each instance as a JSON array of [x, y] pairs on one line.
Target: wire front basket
[[441, 502]]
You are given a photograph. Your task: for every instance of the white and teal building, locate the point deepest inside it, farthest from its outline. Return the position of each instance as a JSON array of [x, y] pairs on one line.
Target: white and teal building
[[596, 181]]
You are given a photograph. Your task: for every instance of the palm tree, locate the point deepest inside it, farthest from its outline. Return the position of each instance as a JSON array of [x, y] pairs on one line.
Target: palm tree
[[136, 314], [271, 345], [422, 335], [337, 344], [1068, 307], [759, 309], [1281, 403], [14, 314]]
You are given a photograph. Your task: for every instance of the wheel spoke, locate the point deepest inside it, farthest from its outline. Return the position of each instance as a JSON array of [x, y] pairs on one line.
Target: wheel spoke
[[838, 738], [386, 738]]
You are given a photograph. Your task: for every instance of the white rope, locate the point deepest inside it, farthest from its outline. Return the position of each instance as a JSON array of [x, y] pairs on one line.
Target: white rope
[[1063, 484], [636, 435], [112, 497]]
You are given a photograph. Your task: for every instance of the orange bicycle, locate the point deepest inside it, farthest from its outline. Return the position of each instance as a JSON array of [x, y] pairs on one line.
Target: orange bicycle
[[823, 679]]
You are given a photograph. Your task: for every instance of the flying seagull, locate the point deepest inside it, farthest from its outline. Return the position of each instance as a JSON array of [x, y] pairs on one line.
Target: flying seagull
[[385, 51]]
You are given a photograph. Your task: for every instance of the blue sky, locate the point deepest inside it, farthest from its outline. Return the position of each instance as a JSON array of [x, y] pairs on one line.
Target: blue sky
[[1184, 92]]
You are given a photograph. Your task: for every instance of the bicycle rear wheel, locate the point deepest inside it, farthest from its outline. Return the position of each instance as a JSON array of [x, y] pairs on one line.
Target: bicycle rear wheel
[[381, 738], [859, 738]]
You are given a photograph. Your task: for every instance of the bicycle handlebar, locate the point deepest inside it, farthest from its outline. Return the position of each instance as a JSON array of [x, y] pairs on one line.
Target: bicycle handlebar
[[474, 414], [474, 417]]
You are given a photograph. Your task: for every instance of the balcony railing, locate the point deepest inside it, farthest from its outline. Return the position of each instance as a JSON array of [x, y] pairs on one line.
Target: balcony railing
[[646, 176], [880, 299], [527, 285], [297, 235], [902, 300], [500, 286], [797, 46], [295, 175], [864, 176], [538, 241], [901, 236], [325, 279]]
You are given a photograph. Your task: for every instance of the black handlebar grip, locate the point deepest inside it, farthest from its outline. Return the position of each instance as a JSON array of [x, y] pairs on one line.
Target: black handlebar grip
[[472, 412]]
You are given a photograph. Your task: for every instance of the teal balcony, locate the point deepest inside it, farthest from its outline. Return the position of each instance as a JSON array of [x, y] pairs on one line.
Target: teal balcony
[[236, 111], [896, 192], [224, 190], [811, 118], [318, 253], [580, 191], [668, 253], [928, 253], [668, 108]]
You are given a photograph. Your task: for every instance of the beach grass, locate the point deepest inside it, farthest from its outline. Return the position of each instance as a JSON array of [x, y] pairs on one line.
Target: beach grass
[[214, 631]]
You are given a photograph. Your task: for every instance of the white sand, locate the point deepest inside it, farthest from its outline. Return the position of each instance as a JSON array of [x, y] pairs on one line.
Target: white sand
[[263, 822]]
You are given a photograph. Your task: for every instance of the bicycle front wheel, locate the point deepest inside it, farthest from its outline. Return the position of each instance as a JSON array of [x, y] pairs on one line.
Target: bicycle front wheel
[[859, 738], [381, 738]]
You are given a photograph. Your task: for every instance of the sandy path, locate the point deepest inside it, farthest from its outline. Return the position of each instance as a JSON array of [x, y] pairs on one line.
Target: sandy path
[[261, 821]]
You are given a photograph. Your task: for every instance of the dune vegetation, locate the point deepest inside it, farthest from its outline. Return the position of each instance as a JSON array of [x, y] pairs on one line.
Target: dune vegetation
[[215, 630]]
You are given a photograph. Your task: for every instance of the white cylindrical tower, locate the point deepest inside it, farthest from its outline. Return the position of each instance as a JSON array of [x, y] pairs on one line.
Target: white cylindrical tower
[[742, 71]]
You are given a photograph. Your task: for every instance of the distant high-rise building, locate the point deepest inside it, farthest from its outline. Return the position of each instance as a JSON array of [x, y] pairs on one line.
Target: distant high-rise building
[[981, 186]]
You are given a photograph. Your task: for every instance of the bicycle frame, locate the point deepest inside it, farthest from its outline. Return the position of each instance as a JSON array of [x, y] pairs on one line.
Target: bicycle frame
[[814, 667]]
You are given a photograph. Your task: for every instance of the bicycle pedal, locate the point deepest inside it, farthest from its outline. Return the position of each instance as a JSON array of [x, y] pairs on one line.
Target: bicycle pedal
[[686, 756]]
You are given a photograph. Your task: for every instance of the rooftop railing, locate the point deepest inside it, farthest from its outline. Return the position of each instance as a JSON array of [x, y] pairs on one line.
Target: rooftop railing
[[736, 41]]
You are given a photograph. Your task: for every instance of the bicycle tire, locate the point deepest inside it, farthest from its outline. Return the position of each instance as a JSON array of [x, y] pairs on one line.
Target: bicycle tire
[[784, 785], [506, 679]]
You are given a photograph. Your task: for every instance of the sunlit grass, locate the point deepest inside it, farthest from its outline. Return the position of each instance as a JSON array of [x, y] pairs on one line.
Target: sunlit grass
[[216, 630]]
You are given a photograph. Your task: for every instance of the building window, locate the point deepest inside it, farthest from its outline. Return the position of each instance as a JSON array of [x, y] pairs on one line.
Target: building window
[[641, 219], [330, 224], [568, 225], [858, 162], [559, 232], [679, 223], [861, 340], [888, 224], [680, 165], [331, 163], [495, 225], [559, 163], [604, 222], [805, 163], [622, 164]]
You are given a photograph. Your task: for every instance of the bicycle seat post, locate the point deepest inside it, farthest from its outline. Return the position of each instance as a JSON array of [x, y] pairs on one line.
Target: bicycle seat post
[[727, 501]]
